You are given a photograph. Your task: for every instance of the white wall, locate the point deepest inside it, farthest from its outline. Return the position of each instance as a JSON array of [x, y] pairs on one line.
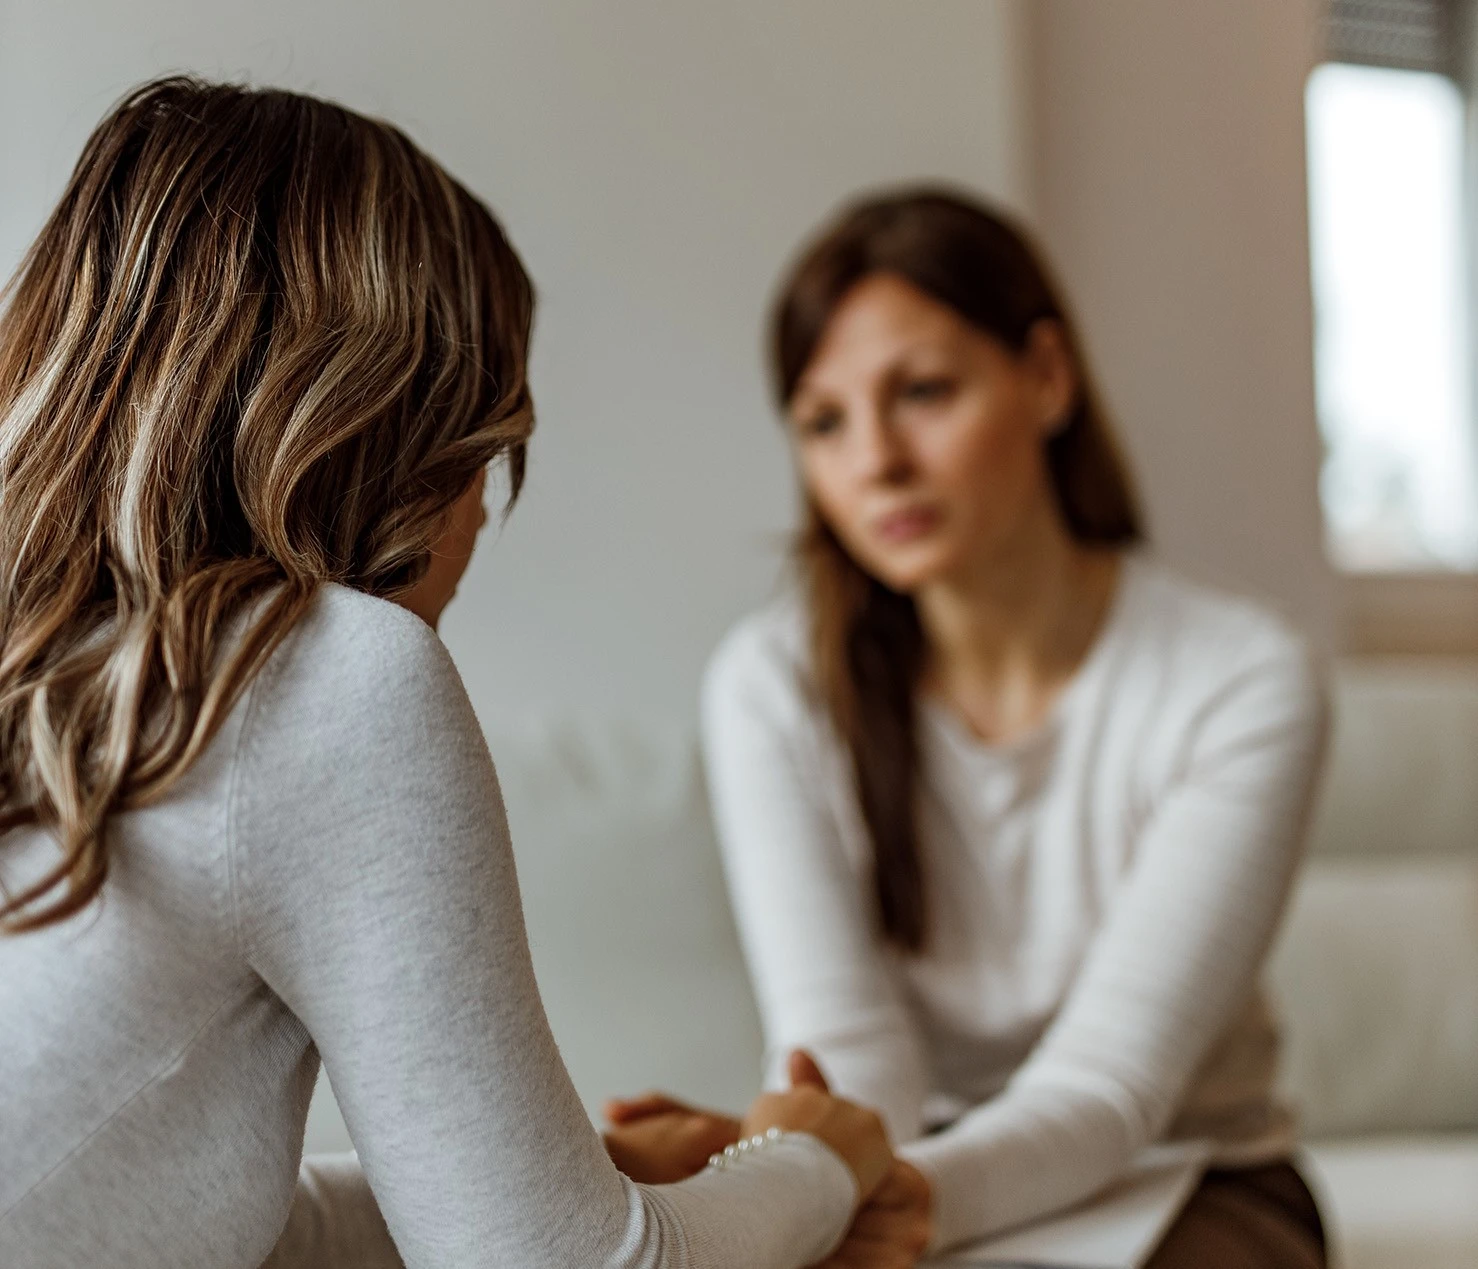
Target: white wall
[[655, 163], [1170, 185]]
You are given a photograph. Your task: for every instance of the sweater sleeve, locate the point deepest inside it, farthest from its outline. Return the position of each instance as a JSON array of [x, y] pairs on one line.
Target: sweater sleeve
[[805, 916], [375, 893], [1179, 953]]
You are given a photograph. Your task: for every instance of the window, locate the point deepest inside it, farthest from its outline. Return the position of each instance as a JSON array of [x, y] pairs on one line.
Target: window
[[1391, 279]]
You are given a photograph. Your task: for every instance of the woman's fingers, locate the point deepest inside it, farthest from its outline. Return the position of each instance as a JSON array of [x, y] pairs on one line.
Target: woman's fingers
[[894, 1229], [626, 1110], [905, 1232], [855, 1133], [905, 1187], [661, 1148], [898, 1246], [869, 1256], [805, 1073]]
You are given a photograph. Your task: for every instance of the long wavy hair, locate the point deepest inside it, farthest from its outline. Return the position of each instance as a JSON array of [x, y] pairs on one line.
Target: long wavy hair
[[262, 344], [867, 646]]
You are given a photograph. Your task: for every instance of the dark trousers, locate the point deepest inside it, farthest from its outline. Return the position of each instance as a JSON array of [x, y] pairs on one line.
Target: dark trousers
[[1246, 1218]]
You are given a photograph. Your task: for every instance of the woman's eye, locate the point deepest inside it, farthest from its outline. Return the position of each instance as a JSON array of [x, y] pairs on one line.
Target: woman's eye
[[935, 389], [822, 423]]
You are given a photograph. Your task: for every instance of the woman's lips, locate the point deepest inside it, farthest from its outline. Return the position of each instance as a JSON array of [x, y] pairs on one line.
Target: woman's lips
[[906, 525]]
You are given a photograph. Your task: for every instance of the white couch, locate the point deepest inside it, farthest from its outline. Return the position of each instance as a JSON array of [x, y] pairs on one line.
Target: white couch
[[1377, 971]]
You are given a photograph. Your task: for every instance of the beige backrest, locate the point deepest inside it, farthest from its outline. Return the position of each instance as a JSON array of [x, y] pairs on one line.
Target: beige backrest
[[1377, 969], [1403, 772]]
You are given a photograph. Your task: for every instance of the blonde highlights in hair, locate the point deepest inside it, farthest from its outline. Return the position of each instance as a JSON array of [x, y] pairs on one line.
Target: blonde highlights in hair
[[262, 344]]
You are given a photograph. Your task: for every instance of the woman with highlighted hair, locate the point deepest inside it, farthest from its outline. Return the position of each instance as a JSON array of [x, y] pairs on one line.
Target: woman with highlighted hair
[[251, 376]]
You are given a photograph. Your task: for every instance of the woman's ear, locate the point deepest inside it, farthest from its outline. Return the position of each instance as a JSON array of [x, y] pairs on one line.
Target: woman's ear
[[1054, 374]]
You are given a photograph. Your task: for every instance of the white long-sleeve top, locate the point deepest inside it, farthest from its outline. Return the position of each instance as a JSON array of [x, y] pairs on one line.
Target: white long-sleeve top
[[333, 876], [1101, 895]]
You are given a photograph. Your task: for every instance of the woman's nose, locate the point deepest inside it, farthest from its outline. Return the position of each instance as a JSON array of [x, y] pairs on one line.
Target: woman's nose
[[882, 454]]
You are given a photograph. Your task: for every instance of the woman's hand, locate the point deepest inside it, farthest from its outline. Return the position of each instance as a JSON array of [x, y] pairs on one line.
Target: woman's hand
[[893, 1229], [853, 1132], [656, 1140]]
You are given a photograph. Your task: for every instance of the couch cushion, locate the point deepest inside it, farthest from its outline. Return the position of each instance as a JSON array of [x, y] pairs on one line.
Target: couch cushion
[[1403, 770], [1376, 977], [634, 947], [1399, 1203]]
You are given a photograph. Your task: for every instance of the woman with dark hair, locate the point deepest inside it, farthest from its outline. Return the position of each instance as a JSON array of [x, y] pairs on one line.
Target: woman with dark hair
[[1009, 810], [251, 376]]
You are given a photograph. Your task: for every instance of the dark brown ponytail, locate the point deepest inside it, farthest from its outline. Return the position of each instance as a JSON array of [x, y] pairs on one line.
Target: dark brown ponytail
[[866, 642]]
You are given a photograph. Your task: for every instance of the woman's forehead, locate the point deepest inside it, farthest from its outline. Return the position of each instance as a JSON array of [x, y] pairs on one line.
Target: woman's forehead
[[883, 320]]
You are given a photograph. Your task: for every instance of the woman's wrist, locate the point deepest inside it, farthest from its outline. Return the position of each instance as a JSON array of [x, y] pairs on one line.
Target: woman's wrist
[[809, 1166], [668, 1146], [737, 1150]]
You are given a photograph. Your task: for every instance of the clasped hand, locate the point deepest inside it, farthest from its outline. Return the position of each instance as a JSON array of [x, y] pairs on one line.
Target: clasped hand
[[656, 1139]]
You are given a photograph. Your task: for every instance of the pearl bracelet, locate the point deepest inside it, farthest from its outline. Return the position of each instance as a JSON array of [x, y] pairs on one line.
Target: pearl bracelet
[[741, 1148]]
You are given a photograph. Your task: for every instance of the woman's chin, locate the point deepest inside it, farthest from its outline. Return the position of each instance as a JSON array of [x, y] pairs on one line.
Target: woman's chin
[[909, 572]]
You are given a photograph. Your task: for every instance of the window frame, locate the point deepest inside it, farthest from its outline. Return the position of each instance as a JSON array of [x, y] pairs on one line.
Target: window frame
[[1422, 613], [1418, 614]]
